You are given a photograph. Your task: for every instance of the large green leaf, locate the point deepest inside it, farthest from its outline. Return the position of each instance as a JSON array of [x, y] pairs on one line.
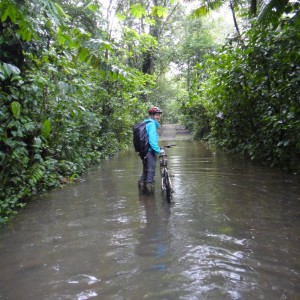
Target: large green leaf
[[46, 128], [10, 12], [16, 109], [6, 70]]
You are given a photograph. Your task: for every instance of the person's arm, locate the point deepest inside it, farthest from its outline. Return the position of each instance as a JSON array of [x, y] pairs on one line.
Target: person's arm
[[153, 137]]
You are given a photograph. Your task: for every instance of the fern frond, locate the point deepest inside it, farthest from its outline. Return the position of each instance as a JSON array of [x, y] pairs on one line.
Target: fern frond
[[36, 173]]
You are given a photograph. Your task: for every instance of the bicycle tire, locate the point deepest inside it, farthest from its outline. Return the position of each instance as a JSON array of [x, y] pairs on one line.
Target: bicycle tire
[[167, 187]]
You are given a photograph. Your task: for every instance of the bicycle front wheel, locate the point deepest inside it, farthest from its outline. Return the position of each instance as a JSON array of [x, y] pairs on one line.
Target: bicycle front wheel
[[167, 185]]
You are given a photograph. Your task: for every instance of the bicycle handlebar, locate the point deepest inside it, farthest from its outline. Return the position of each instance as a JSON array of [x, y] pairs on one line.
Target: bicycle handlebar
[[169, 146]]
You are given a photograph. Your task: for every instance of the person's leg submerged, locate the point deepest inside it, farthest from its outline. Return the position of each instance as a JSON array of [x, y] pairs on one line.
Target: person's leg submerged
[[142, 180], [150, 171]]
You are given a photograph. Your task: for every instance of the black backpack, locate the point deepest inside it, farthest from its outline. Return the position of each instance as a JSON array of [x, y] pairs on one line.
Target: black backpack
[[140, 138]]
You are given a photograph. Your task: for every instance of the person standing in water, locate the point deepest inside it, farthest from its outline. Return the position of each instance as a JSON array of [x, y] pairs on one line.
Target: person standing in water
[[146, 181]]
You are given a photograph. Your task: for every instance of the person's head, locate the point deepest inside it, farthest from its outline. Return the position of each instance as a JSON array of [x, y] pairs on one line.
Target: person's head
[[155, 112]]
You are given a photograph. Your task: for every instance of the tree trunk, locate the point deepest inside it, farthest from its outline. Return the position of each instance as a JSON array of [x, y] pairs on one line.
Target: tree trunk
[[147, 63], [253, 8], [234, 19]]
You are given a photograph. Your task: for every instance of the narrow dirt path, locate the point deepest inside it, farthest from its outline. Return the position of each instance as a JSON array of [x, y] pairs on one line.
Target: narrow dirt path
[[168, 132]]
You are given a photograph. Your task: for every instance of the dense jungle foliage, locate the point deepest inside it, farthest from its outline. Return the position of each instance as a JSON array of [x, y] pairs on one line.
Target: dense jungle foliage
[[67, 101], [76, 75], [245, 97]]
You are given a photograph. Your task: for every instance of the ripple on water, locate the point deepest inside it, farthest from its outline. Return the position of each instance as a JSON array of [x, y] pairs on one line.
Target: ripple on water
[[86, 295], [213, 269], [83, 278]]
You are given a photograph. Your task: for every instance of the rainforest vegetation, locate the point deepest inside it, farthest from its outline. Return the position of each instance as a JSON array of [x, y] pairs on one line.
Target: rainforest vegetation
[[76, 75]]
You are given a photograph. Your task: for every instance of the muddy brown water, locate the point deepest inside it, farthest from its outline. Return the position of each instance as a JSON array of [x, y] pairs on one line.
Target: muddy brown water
[[231, 232]]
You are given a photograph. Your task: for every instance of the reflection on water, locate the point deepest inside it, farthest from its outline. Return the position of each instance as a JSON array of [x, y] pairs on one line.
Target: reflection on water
[[232, 232]]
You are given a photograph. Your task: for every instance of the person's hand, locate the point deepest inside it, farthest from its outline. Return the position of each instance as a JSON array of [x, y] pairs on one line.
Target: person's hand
[[162, 151]]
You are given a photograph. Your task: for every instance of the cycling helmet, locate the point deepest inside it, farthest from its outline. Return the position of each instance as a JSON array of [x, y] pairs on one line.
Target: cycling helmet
[[154, 110]]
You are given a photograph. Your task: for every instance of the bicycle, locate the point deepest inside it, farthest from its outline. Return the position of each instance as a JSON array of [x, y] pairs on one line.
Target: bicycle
[[166, 183]]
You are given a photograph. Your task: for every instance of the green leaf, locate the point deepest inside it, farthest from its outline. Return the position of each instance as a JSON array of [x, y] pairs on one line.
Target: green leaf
[[5, 15], [295, 79], [26, 34], [46, 128], [159, 11], [61, 39], [36, 172], [137, 10], [92, 7], [12, 13], [199, 12], [60, 10], [37, 142], [8, 70], [16, 109], [83, 54], [120, 16], [150, 21]]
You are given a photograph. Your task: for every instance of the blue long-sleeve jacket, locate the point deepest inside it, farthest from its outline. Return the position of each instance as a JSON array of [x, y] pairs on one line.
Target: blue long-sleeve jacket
[[152, 134]]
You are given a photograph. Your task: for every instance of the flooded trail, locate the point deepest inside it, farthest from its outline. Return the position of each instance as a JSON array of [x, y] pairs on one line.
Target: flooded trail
[[231, 232]]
